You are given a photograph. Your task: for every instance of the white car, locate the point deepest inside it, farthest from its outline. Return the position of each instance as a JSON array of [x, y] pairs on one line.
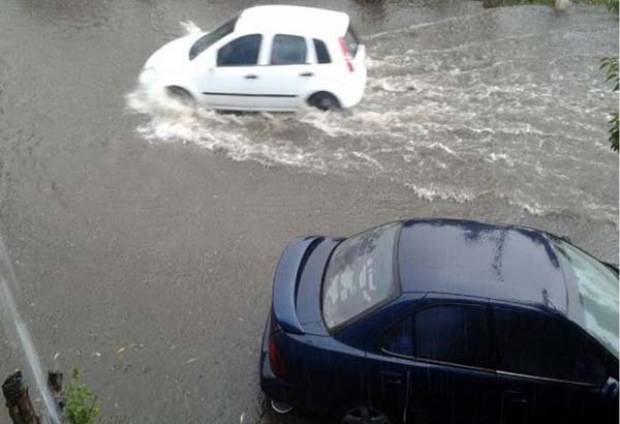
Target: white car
[[267, 58]]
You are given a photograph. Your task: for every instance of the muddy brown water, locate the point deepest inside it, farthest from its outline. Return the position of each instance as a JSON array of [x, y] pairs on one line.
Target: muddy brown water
[[144, 242]]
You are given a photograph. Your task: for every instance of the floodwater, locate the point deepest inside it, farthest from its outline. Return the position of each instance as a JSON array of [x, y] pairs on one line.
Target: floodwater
[[144, 239]]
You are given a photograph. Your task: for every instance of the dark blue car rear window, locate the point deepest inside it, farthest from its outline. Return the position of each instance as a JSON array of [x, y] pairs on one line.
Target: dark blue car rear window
[[360, 275]]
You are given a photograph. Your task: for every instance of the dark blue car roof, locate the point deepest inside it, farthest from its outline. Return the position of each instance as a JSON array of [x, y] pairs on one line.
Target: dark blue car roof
[[475, 259]]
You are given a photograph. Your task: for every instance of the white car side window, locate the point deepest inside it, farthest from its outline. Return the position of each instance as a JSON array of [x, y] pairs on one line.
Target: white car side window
[[289, 50], [242, 51]]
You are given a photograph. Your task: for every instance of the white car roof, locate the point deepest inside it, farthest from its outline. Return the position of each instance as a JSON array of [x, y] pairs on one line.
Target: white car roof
[[294, 20]]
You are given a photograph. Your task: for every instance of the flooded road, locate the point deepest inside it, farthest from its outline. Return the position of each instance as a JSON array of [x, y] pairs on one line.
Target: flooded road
[[144, 240]]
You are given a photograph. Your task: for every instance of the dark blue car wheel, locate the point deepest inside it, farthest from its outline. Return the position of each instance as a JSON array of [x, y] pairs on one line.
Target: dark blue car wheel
[[364, 415]]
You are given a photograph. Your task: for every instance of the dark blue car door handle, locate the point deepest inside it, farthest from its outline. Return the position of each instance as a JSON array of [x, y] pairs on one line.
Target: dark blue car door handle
[[306, 74], [392, 377], [515, 398], [251, 76], [514, 408]]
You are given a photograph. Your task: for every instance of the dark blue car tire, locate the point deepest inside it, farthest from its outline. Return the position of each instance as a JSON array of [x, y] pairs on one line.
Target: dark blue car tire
[[363, 415]]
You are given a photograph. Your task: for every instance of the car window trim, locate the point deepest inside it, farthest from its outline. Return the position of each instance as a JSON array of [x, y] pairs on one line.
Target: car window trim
[[483, 369], [436, 362], [547, 379], [307, 59], [397, 283]]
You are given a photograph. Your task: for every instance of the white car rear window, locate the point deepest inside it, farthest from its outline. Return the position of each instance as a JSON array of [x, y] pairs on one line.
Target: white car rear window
[[352, 41]]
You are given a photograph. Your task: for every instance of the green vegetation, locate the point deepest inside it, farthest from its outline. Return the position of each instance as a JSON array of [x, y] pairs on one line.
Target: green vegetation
[[611, 5], [81, 405], [610, 66]]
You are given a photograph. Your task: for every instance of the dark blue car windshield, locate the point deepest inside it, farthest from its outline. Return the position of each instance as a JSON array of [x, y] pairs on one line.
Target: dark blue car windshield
[[360, 275], [598, 294]]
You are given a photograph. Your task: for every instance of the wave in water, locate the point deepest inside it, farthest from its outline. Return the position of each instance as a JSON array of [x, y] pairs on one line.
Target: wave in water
[[454, 121]]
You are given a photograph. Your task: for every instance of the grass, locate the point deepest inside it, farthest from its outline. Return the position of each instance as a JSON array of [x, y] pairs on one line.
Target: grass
[[609, 65], [81, 405]]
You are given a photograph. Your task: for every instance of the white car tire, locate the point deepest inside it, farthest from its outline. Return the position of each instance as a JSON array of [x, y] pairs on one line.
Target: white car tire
[[324, 101]]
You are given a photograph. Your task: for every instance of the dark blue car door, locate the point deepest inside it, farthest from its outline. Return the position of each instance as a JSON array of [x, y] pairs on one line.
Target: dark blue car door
[[548, 369], [388, 340], [434, 366]]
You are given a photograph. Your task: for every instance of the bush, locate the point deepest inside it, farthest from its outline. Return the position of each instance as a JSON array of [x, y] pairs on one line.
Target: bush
[[611, 5], [81, 406], [610, 66]]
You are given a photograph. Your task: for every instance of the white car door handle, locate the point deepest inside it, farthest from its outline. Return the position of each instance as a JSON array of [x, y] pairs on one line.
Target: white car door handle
[[251, 76], [306, 74]]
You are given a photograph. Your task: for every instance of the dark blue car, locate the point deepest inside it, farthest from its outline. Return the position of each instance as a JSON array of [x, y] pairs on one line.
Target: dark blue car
[[443, 321]]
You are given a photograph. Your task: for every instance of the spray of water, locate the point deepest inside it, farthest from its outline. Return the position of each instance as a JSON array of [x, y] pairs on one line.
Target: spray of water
[[190, 27], [18, 333], [434, 107]]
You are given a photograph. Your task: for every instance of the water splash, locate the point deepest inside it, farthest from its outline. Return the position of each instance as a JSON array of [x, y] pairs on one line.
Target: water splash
[[190, 27], [419, 26], [451, 113], [171, 121], [18, 334]]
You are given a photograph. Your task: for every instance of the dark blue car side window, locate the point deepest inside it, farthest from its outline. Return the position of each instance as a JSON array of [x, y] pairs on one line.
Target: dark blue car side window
[[456, 334], [544, 346], [399, 339]]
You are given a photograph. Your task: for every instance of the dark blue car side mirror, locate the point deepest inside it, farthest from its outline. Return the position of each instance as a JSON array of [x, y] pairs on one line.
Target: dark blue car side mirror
[[610, 388]]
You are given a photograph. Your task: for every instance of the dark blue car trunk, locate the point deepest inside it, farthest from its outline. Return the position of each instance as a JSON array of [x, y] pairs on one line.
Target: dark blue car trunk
[[297, 285], [310, 356]]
